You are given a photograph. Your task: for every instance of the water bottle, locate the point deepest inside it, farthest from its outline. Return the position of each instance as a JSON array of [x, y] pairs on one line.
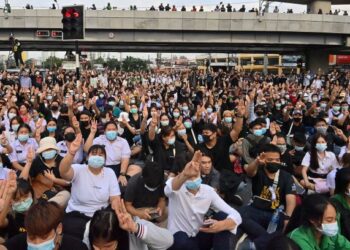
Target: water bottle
[[275, 220]]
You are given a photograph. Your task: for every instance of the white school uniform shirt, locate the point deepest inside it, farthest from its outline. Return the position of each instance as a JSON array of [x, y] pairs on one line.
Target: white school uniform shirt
[[63, 150], [116, 150], [326, 165], [20, 151], [4, 172], [187, 211], [91, 192]]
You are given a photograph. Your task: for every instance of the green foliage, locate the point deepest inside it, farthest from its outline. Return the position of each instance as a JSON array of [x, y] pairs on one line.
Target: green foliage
[[113, 64], [52, 61], [134, 64]]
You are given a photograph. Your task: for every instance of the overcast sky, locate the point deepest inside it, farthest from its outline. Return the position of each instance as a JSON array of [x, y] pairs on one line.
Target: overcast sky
[[145, 4]]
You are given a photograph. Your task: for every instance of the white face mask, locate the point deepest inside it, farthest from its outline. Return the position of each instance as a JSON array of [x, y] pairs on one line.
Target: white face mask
[[330, 229]]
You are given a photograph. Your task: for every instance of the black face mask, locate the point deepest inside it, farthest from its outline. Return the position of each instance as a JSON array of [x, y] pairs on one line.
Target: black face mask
[[64, 117], [84, 123], [69, 137], [260, 113], [206, 138], [54, 108], [272, 167], [297, 119]]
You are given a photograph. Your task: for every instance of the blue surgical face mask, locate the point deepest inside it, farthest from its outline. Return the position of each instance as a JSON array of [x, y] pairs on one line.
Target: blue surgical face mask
[[47, 245], [171, 141], [185, 108], [181, 132], [111, 103], [210, 110], [258, 132], [133, 111], [48, 155], [330, 229], [111, 135], [298, 148], [228, 119], [11, 115], [188, 125], [15, 127], [193, 184], [282, 147], [23, 206], [264, 130], [336, 108], [23, 137], [51, 129], [164, 123], [200, 139], [321, 147], [96, 161], [176, 114]]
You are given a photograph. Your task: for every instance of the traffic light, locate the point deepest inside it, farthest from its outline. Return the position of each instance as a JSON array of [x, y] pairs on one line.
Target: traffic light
[[73, 22]]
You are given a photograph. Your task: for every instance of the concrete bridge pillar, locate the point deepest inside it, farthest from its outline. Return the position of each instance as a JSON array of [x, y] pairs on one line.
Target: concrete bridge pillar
[[316, 5], [317, 60]]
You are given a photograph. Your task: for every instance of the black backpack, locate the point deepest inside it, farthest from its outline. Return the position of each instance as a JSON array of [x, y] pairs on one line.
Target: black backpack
[[257, 146]]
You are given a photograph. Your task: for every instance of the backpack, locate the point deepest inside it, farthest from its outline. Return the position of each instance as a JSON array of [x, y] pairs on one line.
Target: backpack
[[257, 147]]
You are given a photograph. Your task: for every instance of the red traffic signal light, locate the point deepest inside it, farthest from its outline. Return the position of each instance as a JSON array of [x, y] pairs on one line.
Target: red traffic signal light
[[73, 22]]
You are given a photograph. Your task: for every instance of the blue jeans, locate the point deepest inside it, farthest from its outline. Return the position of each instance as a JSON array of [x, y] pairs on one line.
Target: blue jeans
[[203, 241]]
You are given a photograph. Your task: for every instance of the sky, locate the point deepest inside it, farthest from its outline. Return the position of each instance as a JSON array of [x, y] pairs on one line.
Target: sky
[[145, 4]]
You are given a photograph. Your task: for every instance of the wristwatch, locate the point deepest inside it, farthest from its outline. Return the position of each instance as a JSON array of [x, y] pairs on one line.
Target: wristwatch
[[122, 174]]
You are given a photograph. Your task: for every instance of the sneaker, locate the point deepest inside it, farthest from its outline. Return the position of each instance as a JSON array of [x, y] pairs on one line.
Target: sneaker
[[245, 243]]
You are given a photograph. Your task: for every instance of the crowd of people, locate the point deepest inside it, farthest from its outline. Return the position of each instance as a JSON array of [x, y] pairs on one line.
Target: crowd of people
[[218, 8], [175, 160]]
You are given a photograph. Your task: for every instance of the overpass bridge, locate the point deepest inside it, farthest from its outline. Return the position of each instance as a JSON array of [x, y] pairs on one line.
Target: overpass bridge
[[316, 36], [315, 5]]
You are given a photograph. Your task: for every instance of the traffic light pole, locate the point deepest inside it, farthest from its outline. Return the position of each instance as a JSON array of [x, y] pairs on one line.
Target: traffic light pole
[[77, 58]]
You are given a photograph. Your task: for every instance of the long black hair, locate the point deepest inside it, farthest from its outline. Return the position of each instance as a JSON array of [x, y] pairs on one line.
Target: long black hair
[[342, 180], [312, 209], [105, 225], [313, 152]]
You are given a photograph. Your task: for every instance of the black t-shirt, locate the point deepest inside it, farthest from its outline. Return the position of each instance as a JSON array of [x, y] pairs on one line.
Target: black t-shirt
[[19, 242], [219, 153], [168, 158], [15, 225], [38, 167], [139, 195], [287, 161], [261, 184], [295, 129]]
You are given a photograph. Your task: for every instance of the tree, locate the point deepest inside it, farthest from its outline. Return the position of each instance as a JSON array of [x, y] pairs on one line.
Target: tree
[[113, 64], [52, 61], [99, 60], [134, 64]]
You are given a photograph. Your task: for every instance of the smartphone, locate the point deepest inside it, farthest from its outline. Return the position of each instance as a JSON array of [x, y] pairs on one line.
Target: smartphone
[[154, 215], [207, 223]]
